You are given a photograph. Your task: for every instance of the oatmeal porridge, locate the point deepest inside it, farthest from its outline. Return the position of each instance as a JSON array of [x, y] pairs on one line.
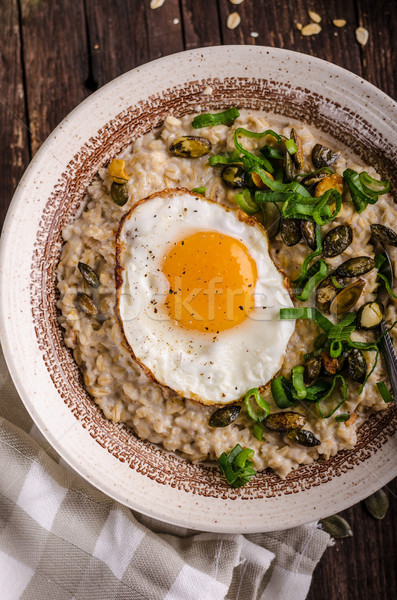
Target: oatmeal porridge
[[314, 201]]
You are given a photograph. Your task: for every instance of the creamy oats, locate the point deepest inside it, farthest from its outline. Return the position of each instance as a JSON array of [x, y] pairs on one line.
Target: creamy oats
[[120, 387]]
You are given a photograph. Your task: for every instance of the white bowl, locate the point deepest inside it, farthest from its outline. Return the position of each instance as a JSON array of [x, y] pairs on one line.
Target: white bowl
[[134, 472]]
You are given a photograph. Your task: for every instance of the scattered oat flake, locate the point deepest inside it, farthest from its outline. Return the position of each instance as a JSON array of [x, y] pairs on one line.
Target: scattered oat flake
[[233, 20], [96, 46], [254, 34], [362, 35], [311, 29], [156, 3], [208, 90], [299, 26], [339, 22], [175, 21], [236, 1], [315, 17]]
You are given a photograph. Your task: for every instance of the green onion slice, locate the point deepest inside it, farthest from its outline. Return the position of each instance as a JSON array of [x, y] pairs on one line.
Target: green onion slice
[[384, 392], [257, 407], [319, 272], [245, 202], [316, 391], [368, 375], [342, 417], [374, 186], [281, 392], [335, 349], [300, 391], [309, 257], [272, 153], [199, 190], [361, 194], [336, 284], [387, 285], [309, 312], [252, 157], [291, 146], [327, 405], [236, 466], [209, 120], [258, 432]]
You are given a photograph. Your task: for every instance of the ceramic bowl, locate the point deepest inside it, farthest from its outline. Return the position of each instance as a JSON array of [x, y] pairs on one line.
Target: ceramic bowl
[[137, 473]]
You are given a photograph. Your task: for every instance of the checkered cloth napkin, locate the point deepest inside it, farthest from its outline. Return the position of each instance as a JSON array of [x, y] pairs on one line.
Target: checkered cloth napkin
[[61, 539]]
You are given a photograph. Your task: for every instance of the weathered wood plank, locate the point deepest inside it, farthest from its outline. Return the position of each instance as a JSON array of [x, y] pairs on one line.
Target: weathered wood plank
[[14, 149], [56, 62], [164, 29], [379, 54], [362, 567], [200, 23], [117, 36], [276, 26]]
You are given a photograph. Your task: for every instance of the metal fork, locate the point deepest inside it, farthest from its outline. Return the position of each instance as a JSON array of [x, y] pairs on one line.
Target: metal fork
[[386, 343]]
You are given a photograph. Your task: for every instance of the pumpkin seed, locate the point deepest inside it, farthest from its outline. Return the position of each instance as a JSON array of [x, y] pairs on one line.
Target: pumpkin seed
[[312, 370], [190, 146], [370, 315], [346, 298], [303, 437], [284, 421], [326, 291], [336, 526], [233, 20], [313, 179], [332, 182], [225, 415], [355, 266], [356, 365], [119, 193], [234, 176], [309, 233], [362, 35], [297, 157], [383, 234], [288, 165], [337, 240], [323, 157], [86, 304], [377, 504], [89, 275], [291, 231]]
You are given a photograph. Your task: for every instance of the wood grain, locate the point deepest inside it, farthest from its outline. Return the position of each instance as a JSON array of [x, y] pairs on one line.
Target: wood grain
[[55, 56], [14, 132], [56, 53]]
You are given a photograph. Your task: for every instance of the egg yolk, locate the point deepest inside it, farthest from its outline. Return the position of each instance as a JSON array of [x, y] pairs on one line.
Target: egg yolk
[[212, 280]]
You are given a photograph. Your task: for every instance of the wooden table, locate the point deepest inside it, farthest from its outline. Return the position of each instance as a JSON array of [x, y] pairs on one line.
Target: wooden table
[[54, 53]]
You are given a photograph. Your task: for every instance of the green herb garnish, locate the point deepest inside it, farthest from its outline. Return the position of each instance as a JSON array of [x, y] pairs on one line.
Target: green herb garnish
[[227, 117], [236, 466]]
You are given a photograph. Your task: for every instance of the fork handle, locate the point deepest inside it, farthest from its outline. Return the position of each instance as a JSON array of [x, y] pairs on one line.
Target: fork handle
[[390, 356]]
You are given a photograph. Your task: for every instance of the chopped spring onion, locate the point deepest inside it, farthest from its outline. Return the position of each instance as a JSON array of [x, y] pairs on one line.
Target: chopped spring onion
[[328, 401], [320, 272], [252, 157], [342, 417], [272, 153], [335, 349], [236, 467], [300, 391], [384, 392], [276, 186], [291, 146], [209, 120], [258, 432], [380, 259], [224, 159], [368, 375], [199, 190], [309, 257], [245, 202], [282, 393], [364, 189], [309, 312], [387, 285], [257, 407], [315, 392]]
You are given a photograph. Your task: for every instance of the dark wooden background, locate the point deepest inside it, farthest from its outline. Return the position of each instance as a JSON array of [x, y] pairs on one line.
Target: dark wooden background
[[54, 53]]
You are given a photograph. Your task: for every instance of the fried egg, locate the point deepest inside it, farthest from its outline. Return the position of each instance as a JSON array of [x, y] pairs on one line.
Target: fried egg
[[198, 296]]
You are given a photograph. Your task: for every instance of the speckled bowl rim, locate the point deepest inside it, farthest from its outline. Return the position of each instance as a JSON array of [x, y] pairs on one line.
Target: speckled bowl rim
[[143, 476]]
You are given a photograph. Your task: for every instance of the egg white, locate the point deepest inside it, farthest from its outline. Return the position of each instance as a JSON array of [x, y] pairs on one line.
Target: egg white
[[210, 368]]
